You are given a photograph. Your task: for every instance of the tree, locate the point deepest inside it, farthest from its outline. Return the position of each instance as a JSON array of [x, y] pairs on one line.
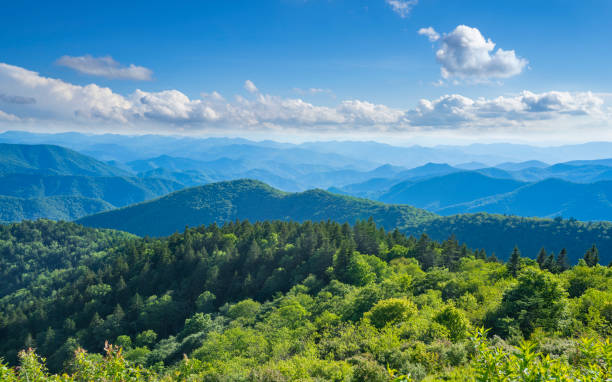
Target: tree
[[514, 264], [455, 321], [391, 311], [562, 263], [538, 300], [591, 257], [542, 256], [342, 261]]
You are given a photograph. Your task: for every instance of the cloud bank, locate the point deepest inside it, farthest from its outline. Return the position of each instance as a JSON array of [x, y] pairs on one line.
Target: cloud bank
[[464, 53], [105, 67], [35, 98]]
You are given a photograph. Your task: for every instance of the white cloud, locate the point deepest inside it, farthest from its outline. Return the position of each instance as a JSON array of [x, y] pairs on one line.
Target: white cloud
[[105, 67], [465, 54], [8, 117], [94, 107], [454, 111], [402, 7], [61, 100], [431, 33], [313, 91], [362, 112], [250, 86]]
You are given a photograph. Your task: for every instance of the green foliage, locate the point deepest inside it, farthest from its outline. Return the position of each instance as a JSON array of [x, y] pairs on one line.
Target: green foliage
[[499, 233], [249, 200], [273, 301], [592, 363], [391, 311], [538, 300]]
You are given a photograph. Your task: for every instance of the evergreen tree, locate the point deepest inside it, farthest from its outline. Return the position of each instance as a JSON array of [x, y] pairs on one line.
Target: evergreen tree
[[514, 264], [550, 262], [342, 261], [591, 257], [541, 259], [562, 264]]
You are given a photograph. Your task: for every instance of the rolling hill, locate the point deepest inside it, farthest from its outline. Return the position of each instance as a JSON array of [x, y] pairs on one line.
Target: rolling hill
[[45, 181], [118, 191], [51, 160], [548, 198], [251, 200], [436, 193], [255, 201], [57, 207], [499, 233]]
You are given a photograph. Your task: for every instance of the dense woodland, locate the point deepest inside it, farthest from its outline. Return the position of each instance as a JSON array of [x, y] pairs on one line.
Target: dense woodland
[[278, 301]]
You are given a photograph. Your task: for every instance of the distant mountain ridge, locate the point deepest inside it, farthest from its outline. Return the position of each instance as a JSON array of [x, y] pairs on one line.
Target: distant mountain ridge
[[251, 200], [51, 160], [46, 181], [255, 201]]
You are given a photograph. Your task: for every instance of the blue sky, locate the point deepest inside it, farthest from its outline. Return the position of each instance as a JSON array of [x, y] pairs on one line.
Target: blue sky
[[355, 69]]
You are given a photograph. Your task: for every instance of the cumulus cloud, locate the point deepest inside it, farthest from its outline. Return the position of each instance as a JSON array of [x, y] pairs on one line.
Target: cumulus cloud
[[457, 111], [431, 33], [58, 99], [464, 53], [95, 106], [250, 86], [402, 7], [105, 67]]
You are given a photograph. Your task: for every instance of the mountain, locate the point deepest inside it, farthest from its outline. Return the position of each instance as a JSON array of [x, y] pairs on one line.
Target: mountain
[[548, 198], [118, 191], [51, 160], [577, 173], [54, 207], [125, 148], [45, 181], [517, 166], [437, 193], [251, 200], [255, 201], [500, 233]]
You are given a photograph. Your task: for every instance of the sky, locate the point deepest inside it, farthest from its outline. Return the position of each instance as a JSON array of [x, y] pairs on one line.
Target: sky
[[397, 71]]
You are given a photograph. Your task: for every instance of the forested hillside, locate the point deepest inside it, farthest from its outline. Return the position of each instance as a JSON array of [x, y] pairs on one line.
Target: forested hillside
[[498, 233], [279, 301], [56, 207], [255, 201], [251, 200], [51, 160], [43, 181]]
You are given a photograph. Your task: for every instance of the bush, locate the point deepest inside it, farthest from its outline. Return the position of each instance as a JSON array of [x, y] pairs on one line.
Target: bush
[[391, 311]]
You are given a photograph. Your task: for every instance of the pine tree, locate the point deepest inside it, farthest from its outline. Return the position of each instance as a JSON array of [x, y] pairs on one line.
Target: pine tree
[[514, 264], [342, 261], [550, 262], [591, 257], [541, 259], [562, 264]]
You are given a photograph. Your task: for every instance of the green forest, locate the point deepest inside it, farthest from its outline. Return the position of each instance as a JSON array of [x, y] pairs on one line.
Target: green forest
[[285, 301]]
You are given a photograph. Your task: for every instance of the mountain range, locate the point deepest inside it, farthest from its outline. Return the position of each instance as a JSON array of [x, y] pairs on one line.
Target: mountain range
[[248, 200], [255, 201], [45, 181], [162, 194]]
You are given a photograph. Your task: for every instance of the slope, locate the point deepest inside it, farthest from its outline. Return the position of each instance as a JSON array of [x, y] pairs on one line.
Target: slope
[[500, 233], [548, 198], [47, 159], [437, 193], [251, 200]]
